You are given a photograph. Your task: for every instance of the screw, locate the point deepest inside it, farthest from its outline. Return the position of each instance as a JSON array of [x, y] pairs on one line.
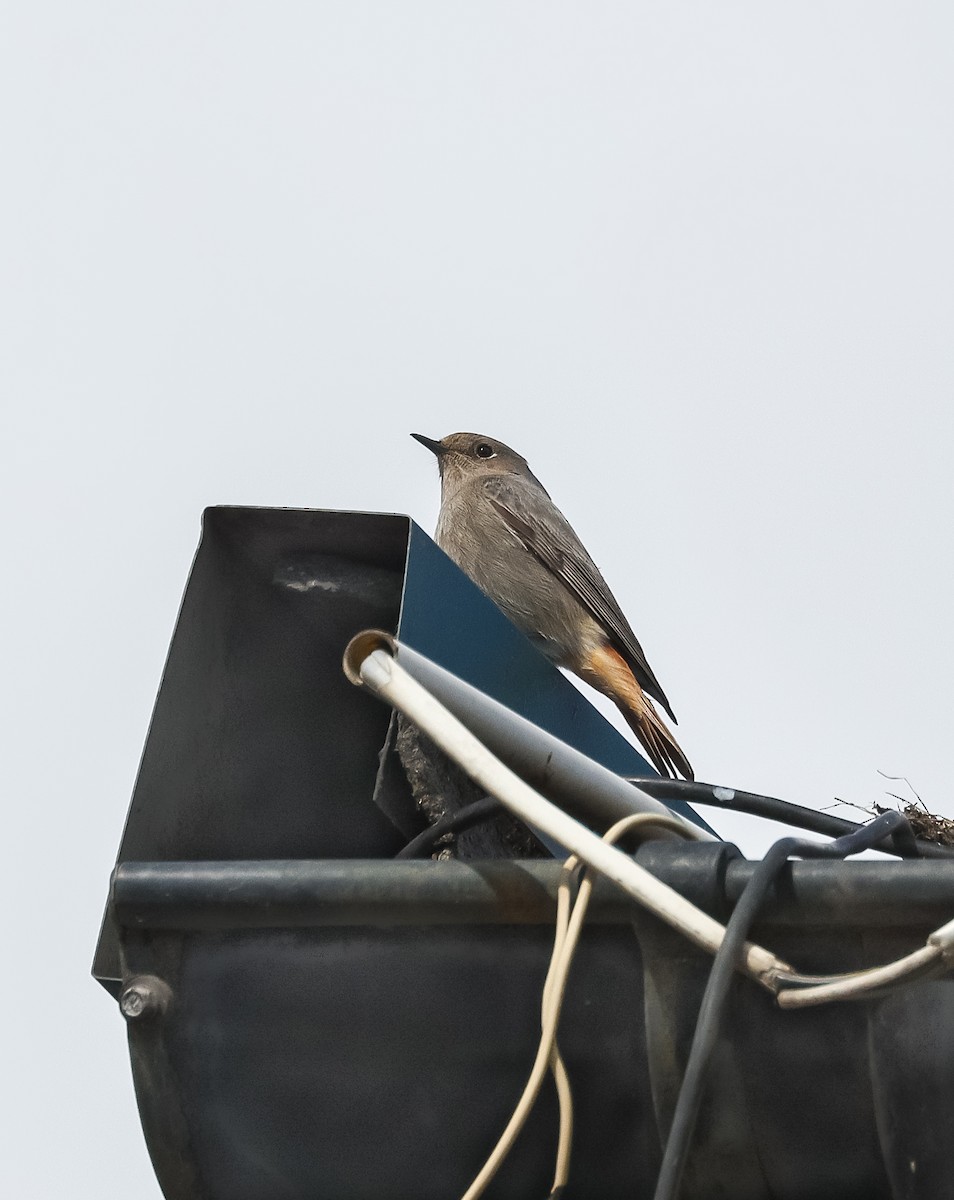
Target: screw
[[144, 996]]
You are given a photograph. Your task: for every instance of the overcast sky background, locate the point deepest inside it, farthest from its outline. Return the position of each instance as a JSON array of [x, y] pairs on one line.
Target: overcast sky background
[[694, 261]]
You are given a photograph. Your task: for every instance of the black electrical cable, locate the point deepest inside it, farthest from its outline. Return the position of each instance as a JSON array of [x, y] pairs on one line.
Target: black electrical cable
[[464, 818], [905, 844], [720, 978]]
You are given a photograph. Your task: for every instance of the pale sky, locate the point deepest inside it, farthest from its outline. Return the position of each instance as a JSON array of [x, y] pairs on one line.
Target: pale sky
[[694, 261]]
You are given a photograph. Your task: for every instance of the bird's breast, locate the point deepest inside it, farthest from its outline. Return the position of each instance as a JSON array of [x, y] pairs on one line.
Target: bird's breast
[[473, 533]]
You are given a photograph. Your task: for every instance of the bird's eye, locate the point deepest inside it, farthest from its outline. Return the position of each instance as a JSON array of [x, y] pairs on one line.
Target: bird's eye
[[485, 450]]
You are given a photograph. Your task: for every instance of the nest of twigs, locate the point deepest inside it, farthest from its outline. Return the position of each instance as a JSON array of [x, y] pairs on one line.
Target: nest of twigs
[[925, 825]]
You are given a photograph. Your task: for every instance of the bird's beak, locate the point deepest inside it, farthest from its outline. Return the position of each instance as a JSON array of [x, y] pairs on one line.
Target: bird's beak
[[434, 447]]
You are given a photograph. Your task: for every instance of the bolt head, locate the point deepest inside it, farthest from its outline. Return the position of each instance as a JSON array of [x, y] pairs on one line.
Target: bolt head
[[144, 996], [134, 1002]]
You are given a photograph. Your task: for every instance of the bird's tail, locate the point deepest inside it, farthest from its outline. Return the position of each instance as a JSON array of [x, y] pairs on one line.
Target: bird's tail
[[609, 673]]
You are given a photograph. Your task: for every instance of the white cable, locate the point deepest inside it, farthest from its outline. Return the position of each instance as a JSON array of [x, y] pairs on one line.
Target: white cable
[[856, 987], [943, 939], [933, 958], [569, 925], [385, 676], [550, 1010], [547, 1055], [644, 822]]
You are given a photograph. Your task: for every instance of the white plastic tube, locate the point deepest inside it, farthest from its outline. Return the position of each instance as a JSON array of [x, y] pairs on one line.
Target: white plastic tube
[[379, 671]]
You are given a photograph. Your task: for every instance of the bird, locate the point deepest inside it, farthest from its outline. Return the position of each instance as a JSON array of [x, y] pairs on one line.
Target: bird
[[498, 523]]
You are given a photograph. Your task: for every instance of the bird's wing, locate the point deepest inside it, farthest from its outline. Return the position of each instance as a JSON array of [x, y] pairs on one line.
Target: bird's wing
[[550, 538]]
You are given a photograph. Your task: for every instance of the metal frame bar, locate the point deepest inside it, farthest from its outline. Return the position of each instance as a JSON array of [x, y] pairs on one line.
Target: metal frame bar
[[312, 893]]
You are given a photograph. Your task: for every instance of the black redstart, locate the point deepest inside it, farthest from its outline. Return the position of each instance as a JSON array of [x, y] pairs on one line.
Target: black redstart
[[500, 526]]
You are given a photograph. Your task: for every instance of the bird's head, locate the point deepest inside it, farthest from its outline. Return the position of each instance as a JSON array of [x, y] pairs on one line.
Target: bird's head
[[464, 456]]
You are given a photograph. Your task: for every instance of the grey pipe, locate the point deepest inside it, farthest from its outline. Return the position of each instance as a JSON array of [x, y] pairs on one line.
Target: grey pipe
[[585, 789]]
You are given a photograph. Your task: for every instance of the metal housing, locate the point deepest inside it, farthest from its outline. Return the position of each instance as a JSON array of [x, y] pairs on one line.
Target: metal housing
[[308, 1021]]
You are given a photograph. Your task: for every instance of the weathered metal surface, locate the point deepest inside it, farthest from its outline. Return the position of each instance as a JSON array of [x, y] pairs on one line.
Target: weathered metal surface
[[341, 1031]]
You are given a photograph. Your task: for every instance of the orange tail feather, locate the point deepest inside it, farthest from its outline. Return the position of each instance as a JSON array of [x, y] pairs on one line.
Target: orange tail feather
[[608, 672]]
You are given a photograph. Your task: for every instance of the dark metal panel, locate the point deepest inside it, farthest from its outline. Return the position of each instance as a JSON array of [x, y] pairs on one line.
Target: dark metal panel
[[344, 1030], [363, 1064], [808, 1101], [153, 1003], [340, 1062], [724, 1159], [258, 747], [911, 1060]]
